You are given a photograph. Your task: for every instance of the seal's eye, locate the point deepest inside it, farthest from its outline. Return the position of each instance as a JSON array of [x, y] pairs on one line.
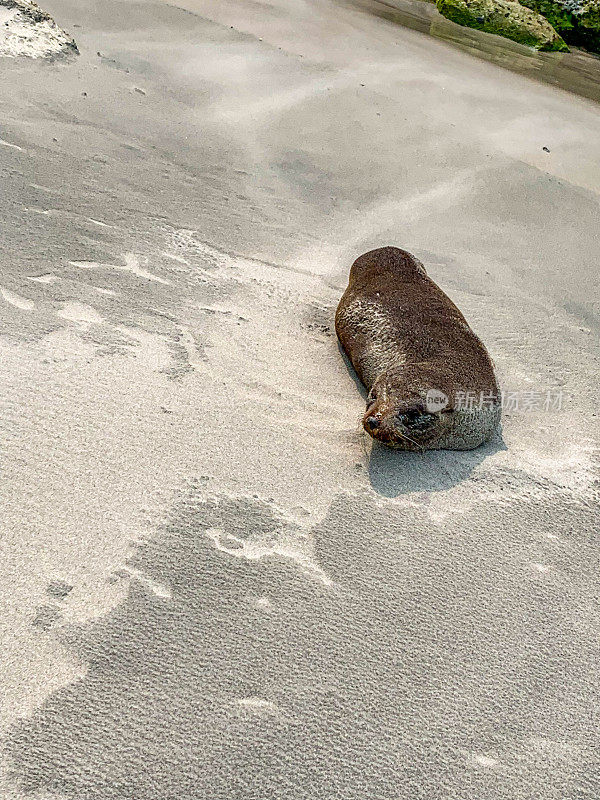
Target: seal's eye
[[416, 419], [409, 416]]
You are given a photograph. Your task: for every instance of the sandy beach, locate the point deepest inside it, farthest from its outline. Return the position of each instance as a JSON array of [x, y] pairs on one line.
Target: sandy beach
[[214, 585]]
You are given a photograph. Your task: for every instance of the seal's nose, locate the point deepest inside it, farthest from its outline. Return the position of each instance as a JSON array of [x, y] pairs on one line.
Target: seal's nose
[[372, 423]]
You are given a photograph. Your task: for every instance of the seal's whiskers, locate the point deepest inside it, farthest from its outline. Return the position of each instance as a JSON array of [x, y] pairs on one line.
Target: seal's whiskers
[[412, 441], [362, 435]]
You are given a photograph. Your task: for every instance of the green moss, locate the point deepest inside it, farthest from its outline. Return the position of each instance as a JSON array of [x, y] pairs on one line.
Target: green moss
[[560, 19], [506, 18], [578, 24]]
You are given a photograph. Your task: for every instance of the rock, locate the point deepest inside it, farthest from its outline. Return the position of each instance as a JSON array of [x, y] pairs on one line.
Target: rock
[[506, 18], [577, 21], [27, 30]]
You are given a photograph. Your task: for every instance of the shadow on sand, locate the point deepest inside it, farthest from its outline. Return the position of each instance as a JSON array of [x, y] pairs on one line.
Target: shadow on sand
[[393, 473]]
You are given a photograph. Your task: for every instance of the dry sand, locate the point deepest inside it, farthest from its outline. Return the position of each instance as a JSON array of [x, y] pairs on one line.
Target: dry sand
[[213, 586]]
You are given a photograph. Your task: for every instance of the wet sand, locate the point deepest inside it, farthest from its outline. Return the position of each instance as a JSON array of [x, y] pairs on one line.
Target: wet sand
[[213, 585], [577, 71]]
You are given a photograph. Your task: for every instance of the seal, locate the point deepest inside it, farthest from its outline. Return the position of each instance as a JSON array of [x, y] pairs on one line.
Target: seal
[[431, 381]]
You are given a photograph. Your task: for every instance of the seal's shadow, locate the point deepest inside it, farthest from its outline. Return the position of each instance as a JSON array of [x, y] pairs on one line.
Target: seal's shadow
[[395, 472]]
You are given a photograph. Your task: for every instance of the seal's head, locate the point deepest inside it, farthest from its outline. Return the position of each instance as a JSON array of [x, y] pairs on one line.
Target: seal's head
[[399, 416]]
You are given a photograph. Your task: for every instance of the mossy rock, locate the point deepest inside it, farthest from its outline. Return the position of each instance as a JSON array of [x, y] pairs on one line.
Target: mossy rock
[[506, 18], [577, 21]]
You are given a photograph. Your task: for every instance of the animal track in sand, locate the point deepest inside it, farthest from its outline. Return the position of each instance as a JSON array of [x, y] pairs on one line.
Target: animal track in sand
[[187, 354], [132, 264]]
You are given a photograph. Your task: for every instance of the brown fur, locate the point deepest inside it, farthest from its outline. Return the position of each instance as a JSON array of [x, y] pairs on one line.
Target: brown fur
[[404, 336]]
